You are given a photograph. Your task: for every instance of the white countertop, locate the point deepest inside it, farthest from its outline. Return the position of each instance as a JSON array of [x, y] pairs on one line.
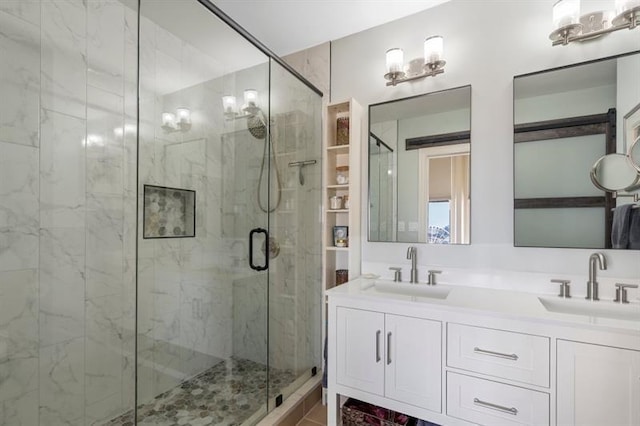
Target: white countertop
[[512, 304]]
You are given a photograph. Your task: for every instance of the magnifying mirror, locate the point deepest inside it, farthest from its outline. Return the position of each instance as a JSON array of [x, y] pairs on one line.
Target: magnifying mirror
[[612, 172], [634, 154]]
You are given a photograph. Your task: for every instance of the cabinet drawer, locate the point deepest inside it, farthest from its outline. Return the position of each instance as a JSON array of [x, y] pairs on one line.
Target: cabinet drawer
[[495, 404], [513, 356]]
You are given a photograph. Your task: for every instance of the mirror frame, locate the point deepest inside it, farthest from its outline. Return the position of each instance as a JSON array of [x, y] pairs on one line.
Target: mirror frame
[[610, 144]]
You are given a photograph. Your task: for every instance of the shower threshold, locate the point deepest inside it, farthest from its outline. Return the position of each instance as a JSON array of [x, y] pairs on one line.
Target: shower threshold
[[231, 393]]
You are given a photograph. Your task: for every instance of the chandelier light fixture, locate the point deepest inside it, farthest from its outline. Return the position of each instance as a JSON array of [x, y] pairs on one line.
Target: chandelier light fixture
[[180, 121], [397, 72], [249, 108], [570, 25]]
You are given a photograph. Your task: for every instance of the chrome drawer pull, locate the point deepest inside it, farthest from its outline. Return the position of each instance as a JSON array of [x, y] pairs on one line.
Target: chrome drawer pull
[[378, 358], [388, 348], [513, 411], [513, 357]]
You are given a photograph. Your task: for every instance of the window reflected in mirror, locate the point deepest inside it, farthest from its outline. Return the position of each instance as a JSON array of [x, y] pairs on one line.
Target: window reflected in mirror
[[419, 168]]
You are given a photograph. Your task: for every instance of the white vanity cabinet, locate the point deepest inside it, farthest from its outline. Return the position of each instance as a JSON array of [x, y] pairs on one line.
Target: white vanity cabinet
[[392, 356], [597, 385], [454, 364]]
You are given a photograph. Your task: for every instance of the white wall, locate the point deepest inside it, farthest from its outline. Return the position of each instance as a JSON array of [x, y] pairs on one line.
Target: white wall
[[486, 44]]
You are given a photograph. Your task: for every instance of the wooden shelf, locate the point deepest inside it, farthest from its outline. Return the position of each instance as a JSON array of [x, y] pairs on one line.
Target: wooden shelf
[[344, 186], [337, 248], [338, 211], [344, 148]]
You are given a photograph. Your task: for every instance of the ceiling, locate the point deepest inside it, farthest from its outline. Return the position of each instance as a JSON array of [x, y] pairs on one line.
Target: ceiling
[[288, 26]]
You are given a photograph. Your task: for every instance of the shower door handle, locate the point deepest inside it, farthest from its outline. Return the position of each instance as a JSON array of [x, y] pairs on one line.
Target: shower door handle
[[266, 257]]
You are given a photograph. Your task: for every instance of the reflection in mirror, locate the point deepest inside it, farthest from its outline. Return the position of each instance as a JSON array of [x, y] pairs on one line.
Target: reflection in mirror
[[572, 169], [419, 168], [634, 154], [612, 172]]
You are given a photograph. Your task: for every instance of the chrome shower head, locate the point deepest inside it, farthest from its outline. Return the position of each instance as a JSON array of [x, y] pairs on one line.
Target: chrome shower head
[[257, 126]]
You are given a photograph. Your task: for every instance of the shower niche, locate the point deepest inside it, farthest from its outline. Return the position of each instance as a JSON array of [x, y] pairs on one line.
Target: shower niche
[[169, 212]]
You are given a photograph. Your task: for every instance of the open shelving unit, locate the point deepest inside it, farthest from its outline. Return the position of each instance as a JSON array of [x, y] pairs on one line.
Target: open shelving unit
[[340, 155]]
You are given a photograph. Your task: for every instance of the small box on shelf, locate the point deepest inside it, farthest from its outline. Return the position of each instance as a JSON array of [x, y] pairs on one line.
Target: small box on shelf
[[342, 276], [342, 175], [341, 236]]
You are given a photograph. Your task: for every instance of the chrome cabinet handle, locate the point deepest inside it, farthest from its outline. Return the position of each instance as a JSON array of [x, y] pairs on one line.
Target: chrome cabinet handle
[[513, 357], [378, 357], [388, 348], [513, 411]]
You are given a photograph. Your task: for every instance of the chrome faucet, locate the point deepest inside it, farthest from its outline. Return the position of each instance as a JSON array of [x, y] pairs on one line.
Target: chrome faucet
[[592, 284], [411, 254]]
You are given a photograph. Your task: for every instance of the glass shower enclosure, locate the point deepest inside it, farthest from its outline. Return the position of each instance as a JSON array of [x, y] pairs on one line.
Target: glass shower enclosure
[[159, 217], [227, 310]]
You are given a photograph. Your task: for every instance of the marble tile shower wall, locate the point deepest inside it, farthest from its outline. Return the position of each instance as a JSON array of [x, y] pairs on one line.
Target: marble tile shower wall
[[295, 292], [67, 203], [185, 296]]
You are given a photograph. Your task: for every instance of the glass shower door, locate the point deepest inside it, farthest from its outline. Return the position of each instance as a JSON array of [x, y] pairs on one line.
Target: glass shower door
[[295, 292], [204, 174]]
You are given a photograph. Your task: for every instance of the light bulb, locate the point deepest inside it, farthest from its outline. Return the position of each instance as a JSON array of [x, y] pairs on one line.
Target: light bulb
[[229, 104], [250, 97], [94, 140], [565, 12], [395, 60], [184, 115], [168, 120], [433, 49]]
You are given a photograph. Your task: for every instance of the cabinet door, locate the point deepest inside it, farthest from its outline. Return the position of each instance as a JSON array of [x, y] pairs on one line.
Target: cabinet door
[[413, 361], [597, 385], [360, 350]]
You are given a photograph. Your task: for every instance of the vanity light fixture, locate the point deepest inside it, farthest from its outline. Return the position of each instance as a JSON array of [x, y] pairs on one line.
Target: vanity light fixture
[[180, 121], [249, 108], [569, 25], [433, 62]]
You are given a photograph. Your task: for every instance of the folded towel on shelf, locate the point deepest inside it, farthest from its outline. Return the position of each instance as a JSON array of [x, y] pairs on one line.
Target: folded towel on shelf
[[634, 229], [620, 226]]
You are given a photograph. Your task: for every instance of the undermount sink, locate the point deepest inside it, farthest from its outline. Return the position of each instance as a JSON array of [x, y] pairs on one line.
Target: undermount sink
[[406, 289], [601, 308]]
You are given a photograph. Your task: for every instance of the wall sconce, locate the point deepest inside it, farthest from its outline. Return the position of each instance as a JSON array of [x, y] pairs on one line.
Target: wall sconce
[[249, 108], [178, 122], [570, 26], [433, 62]]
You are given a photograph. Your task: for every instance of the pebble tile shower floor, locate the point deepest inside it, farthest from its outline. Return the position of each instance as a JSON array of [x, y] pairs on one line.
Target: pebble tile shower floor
[[224, 395]]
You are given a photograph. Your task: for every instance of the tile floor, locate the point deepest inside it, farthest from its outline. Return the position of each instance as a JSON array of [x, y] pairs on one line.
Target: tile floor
[[316, 417], [225, 395]]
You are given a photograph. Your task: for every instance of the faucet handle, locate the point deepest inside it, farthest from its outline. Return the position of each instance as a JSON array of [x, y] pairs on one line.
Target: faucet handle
[[565, 289], [397, 277], [621, 292], [432, 276]]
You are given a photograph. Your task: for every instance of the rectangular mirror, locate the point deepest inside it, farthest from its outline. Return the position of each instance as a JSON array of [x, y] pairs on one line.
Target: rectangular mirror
[[419, 168], [565, 120]]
